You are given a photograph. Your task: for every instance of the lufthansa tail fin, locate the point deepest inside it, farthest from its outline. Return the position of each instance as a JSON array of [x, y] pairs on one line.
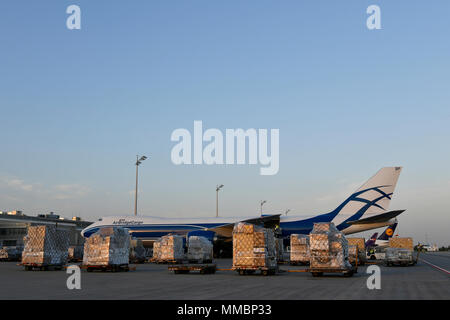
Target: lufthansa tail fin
[[388, 233]]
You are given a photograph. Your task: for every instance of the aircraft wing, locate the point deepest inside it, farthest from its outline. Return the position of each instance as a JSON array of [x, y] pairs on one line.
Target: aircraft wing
[[226, 230], [378, 218]]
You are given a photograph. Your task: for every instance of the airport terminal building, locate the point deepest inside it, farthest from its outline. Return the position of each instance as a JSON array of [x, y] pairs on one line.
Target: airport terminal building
[[13, 226]]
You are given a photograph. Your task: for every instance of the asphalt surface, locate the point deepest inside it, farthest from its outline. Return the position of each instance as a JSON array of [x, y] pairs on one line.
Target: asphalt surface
[[152, 281]]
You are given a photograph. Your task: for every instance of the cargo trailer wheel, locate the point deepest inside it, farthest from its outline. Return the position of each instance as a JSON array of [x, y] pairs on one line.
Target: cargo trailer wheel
[[348, 274], [317, 274]]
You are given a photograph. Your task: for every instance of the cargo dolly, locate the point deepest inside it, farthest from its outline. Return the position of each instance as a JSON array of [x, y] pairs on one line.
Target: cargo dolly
[[41, 266], [318, 272], [204, 268], [401, 261], [299, 263], [199, 261], [109, 267], [265, 271], [347, 272], [177, 261]]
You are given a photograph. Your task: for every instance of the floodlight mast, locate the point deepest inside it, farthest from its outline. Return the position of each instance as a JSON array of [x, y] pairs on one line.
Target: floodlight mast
[[138, 162], [217, 199]]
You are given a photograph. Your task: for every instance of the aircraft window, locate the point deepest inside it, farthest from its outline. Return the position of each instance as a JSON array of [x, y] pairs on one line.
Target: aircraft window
[[100, 219]]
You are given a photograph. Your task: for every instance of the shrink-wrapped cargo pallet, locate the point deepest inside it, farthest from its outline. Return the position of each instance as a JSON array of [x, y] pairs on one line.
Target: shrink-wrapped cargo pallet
[[137, 251], [171, 249], [156, 250], [328, 247], [45, 246], [361, 244], [399, 256], [299, 249], [75, 253], [200, 250], [107, 247], [353, 254], [10, 253], [253, 247], [279, 249], [404, 243]]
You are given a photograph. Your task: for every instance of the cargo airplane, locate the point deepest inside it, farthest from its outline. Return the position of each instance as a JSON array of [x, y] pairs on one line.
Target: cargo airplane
[[365, 209]]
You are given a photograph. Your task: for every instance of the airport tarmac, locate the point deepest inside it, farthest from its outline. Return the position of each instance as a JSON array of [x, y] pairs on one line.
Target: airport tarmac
[[429, 279]]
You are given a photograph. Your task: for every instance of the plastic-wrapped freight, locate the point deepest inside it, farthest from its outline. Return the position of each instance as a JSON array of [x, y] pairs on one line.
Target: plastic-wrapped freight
[[398, 256], [10, 253], [75, 253], [107, 247], [46, 246], [328, 247], [279, 249], [200, 250], [156, 250], [352, 254], [253, 247], [171, 248], [299, 249], [404, 243], [137, 251], [361, 244]]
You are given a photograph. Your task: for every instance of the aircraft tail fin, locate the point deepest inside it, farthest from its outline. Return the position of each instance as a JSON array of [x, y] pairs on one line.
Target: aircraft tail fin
[[372, 240], [388, 233], [372, 198]]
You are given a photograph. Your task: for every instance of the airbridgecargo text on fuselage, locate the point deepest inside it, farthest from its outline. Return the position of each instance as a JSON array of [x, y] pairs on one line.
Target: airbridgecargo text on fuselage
[[235, 140]]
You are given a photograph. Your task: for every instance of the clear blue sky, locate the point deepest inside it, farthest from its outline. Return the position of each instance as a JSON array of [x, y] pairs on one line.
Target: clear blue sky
[[77, 106]]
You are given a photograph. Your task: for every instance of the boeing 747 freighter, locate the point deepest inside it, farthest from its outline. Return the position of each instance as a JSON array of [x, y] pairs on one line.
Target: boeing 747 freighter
[[365, 209]]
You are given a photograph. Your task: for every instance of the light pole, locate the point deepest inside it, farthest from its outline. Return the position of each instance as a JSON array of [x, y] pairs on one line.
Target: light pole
[[262, 203], [138, 162], [217, 199], [287, 211]]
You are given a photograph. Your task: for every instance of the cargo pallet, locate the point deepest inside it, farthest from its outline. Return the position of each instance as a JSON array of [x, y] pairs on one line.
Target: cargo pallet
[[41, 266], [318, 272], [204, 268], [265, 271], [109, 267], [403, 263]]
